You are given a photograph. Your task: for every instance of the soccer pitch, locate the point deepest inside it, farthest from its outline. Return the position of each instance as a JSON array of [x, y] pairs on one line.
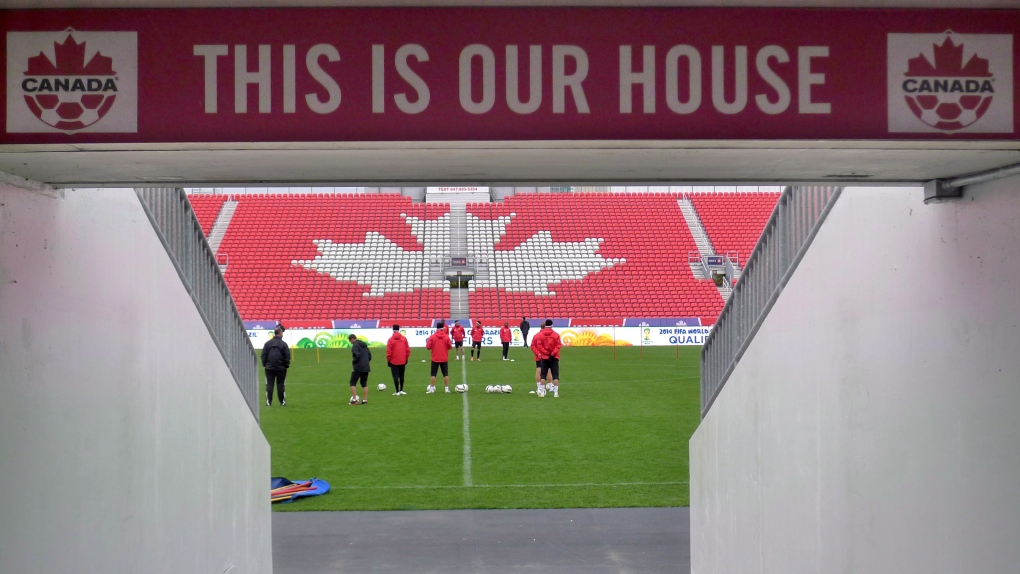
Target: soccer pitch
[[616, 437]]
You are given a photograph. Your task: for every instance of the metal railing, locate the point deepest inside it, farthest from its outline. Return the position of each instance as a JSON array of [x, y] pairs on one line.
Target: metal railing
[[177, 228], [787, 236]]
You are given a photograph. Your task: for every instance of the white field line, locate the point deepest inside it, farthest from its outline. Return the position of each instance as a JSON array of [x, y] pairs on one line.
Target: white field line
[[573, 485], [467, 429]]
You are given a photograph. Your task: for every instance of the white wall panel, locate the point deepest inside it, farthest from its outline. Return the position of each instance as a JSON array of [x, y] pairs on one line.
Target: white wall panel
[[125, 445], [836, 447]]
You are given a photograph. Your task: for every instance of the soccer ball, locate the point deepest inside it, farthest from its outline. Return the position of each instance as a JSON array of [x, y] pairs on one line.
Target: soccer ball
[[429, 390], [507, 389], [382, 386], [511, 360], [541, 393], [946, 112], [460, 388], [488, 388], [68, 111], [550, 387]]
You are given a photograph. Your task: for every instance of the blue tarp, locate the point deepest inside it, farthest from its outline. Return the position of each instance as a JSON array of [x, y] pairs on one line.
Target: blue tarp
[[319, 486]]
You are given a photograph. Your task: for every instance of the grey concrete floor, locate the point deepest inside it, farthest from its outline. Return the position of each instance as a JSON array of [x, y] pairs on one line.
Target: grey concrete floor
[[597, 540]]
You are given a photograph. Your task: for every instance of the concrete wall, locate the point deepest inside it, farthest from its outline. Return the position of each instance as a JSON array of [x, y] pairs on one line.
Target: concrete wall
[[873, 425], [125, 445]]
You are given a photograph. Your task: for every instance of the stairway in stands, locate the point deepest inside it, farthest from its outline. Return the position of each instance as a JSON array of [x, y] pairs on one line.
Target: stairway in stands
[[703, 243], [459, 307], [459, 300], [219, 228]]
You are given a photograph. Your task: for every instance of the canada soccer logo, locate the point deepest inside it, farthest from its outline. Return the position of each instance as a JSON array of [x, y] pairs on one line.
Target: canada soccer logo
[[951, 94], [72, 82], [70, 93], [950, 83]]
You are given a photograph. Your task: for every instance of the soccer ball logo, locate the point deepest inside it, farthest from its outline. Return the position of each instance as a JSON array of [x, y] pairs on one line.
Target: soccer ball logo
[[70, 93], [948, 94]]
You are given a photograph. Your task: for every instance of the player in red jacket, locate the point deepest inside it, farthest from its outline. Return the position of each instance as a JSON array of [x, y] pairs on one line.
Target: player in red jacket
[[548, 343], [504, 338], [477, 332], [538, 369], [398, 351], [457, 334], [440, 345]]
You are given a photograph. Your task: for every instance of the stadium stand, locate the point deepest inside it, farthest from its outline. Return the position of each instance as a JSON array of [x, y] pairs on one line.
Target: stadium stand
[[207, 206], [301, 256], [734, 221], [625, 255], [593, 257]]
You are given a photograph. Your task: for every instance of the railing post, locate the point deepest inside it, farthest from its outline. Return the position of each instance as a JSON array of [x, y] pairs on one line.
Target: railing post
[[794, 222]]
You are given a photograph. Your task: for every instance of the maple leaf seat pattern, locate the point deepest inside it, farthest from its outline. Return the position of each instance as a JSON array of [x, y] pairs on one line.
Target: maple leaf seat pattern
[[357, 256], [346, 256]]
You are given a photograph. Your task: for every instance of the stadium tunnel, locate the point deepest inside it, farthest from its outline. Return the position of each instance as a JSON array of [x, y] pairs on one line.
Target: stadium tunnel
[[860, 412]]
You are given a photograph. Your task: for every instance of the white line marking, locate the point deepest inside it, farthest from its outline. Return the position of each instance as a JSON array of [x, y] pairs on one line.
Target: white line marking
[[467, 429], [574, 485]]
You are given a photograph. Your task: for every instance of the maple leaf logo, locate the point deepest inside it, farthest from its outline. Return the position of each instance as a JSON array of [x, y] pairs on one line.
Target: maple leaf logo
[[948, 64], [360, 262], [70, 61]]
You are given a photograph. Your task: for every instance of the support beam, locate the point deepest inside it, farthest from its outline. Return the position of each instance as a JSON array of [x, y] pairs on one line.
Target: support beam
[[31, 185]]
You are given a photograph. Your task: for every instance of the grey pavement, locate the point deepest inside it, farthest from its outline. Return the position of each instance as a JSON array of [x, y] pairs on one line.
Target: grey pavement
[[597, 540]]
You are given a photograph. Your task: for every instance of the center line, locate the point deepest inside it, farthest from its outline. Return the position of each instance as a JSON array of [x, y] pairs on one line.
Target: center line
[[467, 429]]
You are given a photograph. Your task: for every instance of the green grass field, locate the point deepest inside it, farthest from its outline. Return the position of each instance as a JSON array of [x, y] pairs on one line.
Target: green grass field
[[616, 437]]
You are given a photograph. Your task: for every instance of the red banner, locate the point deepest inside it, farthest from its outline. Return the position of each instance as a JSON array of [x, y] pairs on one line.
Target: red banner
[[419, 74]]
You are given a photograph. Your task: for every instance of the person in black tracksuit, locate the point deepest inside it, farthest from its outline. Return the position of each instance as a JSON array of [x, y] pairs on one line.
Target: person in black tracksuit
[[525, 327], [361, 356], [276, 361]]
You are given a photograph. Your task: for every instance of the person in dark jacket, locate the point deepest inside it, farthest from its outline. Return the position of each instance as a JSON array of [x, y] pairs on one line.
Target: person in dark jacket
[[525, 327], [276, 361], [362, 356]]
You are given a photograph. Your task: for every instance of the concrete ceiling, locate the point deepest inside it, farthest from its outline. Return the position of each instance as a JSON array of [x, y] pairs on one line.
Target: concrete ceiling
[[507, 163], [522, 163]]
